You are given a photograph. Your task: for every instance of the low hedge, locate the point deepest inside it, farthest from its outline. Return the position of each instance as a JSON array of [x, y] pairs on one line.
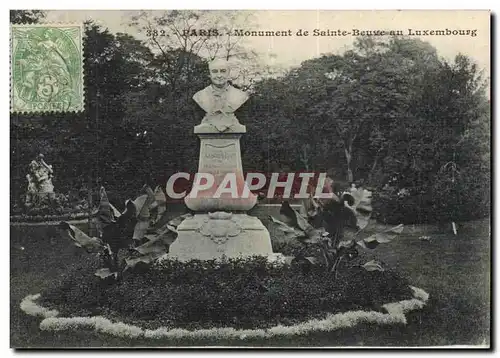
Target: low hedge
[[52, 217], [243, 293]]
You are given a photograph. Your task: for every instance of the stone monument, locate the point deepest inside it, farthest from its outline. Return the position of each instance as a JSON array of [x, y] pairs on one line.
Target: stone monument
[[40, 187], [220, 226]]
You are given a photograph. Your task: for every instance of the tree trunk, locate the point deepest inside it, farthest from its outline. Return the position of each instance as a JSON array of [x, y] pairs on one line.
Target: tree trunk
[[372, 170], [304, 157], [375, 163], [348, 157]]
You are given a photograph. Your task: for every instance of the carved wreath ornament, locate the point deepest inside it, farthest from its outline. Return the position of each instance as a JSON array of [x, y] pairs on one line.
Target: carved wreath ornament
[[219, 227]]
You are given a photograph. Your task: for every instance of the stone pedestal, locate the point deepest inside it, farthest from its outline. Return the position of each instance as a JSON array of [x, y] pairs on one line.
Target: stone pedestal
[[220, 234], [221, 227], [220, 155]]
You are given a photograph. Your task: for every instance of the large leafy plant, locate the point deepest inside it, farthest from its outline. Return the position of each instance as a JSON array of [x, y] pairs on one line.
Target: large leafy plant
[[138, 235], [337, 228]]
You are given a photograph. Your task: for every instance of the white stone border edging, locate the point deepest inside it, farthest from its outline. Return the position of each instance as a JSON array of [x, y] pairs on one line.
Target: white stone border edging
[[395, 314]]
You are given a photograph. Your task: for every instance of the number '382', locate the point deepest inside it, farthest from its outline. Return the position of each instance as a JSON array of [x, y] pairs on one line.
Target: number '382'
[[154, 33]]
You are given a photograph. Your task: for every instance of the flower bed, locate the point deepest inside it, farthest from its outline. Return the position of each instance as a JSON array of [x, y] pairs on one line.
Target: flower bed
[[60, 208], [242, 294], [395, 314], [51, 217]]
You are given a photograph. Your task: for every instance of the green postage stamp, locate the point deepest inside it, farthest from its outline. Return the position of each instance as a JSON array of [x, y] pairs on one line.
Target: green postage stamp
[[46, 68]]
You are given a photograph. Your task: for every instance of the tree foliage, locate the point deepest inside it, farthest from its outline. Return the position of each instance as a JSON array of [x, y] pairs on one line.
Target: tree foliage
[[385, 110], [26, 16]]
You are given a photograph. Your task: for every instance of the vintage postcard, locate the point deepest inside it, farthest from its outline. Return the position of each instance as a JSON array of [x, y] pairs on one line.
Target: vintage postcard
[[203, 178]]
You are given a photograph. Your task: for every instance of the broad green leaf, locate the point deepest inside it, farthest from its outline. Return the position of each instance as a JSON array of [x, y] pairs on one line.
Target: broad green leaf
[[373, 266], [346, 243], [362, 199], [362, 244], [105, 273], [105, 214], [155, 245], [171, 228], [159, 204], [350, 233], [306, 263], [142, 205], [289, 260], [361, 207], [289, 231], [363, 219], [315, 236], [327, 189], [80, 238], [145, 259], [347, 199], [129, 212], [313, 207], [386, 236], [140, 230], [381, 238], [397, 229], [165, 228], [167, 234], [282, 225], [309, 259], [295, 219], [177, 221], [143, 202], [119, 234], [115, 211], [160, 200]]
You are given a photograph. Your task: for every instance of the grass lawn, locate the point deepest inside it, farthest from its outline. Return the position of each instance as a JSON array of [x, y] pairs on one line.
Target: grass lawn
[[454, 270]]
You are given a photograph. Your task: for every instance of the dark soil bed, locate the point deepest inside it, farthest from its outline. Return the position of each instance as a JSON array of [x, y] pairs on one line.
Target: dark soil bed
[[247, 293]]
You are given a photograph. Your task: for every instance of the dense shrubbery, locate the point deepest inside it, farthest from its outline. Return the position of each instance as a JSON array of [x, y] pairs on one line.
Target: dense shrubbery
[[393, 206], [59, 207], [241, 293], [292, 248], [439, 204]]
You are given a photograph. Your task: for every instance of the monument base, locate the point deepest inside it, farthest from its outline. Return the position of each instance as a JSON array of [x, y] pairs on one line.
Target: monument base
[[220, 234]]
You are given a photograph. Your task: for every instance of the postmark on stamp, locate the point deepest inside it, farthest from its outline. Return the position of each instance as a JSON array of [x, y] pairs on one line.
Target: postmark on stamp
[[46, 68]]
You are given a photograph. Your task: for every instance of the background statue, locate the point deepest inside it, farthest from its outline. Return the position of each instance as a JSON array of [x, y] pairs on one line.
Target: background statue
[[40, 187], [220, 100]]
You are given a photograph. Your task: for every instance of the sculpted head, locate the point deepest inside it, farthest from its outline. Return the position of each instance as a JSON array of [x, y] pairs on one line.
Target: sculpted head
[[219, 72]]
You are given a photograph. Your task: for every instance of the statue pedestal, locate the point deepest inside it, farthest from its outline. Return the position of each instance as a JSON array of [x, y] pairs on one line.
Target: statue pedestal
[[220, 227], [220, 156], [220, 234]]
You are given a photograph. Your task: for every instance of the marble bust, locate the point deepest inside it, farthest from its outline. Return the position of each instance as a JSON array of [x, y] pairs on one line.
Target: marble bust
[[220, 100]]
